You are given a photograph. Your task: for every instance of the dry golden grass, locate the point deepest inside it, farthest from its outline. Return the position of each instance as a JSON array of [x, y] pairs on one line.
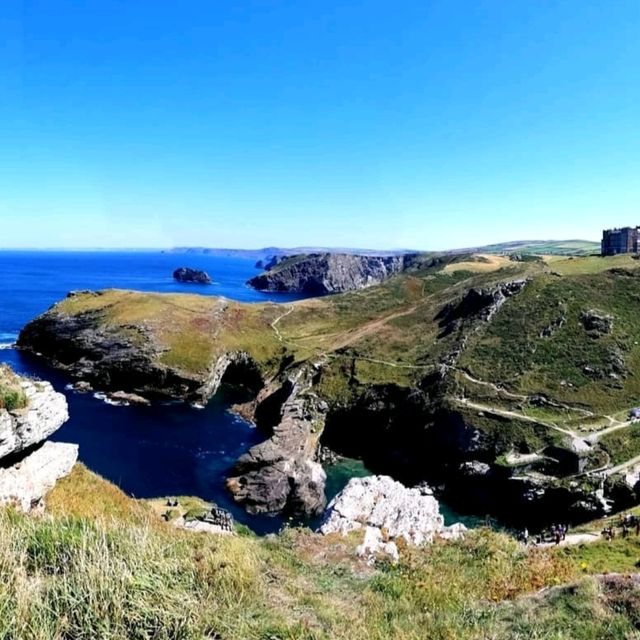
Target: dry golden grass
[[479, 263], [85, 494]]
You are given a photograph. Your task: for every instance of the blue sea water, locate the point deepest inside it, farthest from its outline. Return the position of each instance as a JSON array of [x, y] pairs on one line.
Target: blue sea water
[[170, 449]]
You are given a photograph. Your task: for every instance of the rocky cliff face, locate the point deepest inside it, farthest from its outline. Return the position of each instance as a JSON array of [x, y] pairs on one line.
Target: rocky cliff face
[[116, 360], [29, 468], [387, 511], [45, 413], [281, 474], [324, 273]]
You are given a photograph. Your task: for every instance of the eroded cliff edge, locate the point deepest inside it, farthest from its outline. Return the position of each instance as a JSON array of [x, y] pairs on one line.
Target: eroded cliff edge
[[30, 465], [475, 373], [324, 273]]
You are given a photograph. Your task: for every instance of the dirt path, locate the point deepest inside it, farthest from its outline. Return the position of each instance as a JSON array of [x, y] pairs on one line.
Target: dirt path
[[572, 539], [491, 385], [594, 437], [621, 467], [274, 324], [519, 416]]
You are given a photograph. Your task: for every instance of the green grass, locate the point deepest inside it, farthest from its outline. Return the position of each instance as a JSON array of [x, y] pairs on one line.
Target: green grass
[[101, 565], [592, 264], [12, 396], [622, 444]]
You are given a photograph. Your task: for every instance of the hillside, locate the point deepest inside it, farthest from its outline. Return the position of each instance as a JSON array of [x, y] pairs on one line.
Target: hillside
[[508, 383], [544, 247], [97, 564]]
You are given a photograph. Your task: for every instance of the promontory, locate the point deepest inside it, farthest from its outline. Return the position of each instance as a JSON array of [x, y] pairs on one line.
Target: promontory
[[509, 384]]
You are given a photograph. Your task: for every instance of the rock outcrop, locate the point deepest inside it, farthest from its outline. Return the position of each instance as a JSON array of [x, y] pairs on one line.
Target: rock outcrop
[[191, 276], [597, 323], [123, 362], [325, 273], [46, 412], [387, 511], [478, 305], [28, 468], [215, 520], [25, 483], [270, 262], [281, 474]]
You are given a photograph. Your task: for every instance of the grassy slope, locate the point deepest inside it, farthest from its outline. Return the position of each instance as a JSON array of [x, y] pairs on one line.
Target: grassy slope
[[101, 565], [546, 247], [513, 352], [390, 334]]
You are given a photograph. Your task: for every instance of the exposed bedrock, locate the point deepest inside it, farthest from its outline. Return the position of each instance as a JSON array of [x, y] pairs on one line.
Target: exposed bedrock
[[29, 468], [25, 483], [113, 359], [188, 275], [280, 474], [323, 273], [387, 511], [405, 434], [477, 304], [45, 413]]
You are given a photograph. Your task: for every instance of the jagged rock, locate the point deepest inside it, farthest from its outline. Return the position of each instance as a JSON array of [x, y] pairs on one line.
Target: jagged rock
[[326, 456], [25, 483], [475, 468], [45, 413], [613, 368], [281, 474], [82, 386], [375, 545], [477, 304], [382, 503], [216, 520], [121, 397], [189, 275], [324, 273], [596, 322], [553, 327]]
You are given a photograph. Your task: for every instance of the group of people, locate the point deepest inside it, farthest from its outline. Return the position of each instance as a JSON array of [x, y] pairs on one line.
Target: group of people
[[627, 524], [555, 534]]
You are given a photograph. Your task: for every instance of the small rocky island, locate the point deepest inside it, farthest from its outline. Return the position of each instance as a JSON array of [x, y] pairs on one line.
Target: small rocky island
[[188, 275]]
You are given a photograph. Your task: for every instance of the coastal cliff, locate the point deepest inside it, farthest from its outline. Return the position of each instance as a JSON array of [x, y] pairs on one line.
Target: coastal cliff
[[506, 384], [325, 273]]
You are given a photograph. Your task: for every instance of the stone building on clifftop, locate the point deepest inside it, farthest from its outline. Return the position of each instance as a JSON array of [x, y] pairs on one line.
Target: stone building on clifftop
[[624, 240]]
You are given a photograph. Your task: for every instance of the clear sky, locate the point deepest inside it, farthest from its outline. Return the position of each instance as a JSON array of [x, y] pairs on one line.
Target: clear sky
[[245, 123]]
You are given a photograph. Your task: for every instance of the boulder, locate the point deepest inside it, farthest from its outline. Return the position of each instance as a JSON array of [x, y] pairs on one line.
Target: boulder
[[25, 483], [597, 323], [381, 503], [126, 399], [193, 276]]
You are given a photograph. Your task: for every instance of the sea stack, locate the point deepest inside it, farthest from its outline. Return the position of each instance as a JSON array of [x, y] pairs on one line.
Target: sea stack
[[191, 276]]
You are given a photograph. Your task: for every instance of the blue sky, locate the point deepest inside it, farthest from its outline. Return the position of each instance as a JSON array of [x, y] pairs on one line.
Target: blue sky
[[247, 123]]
